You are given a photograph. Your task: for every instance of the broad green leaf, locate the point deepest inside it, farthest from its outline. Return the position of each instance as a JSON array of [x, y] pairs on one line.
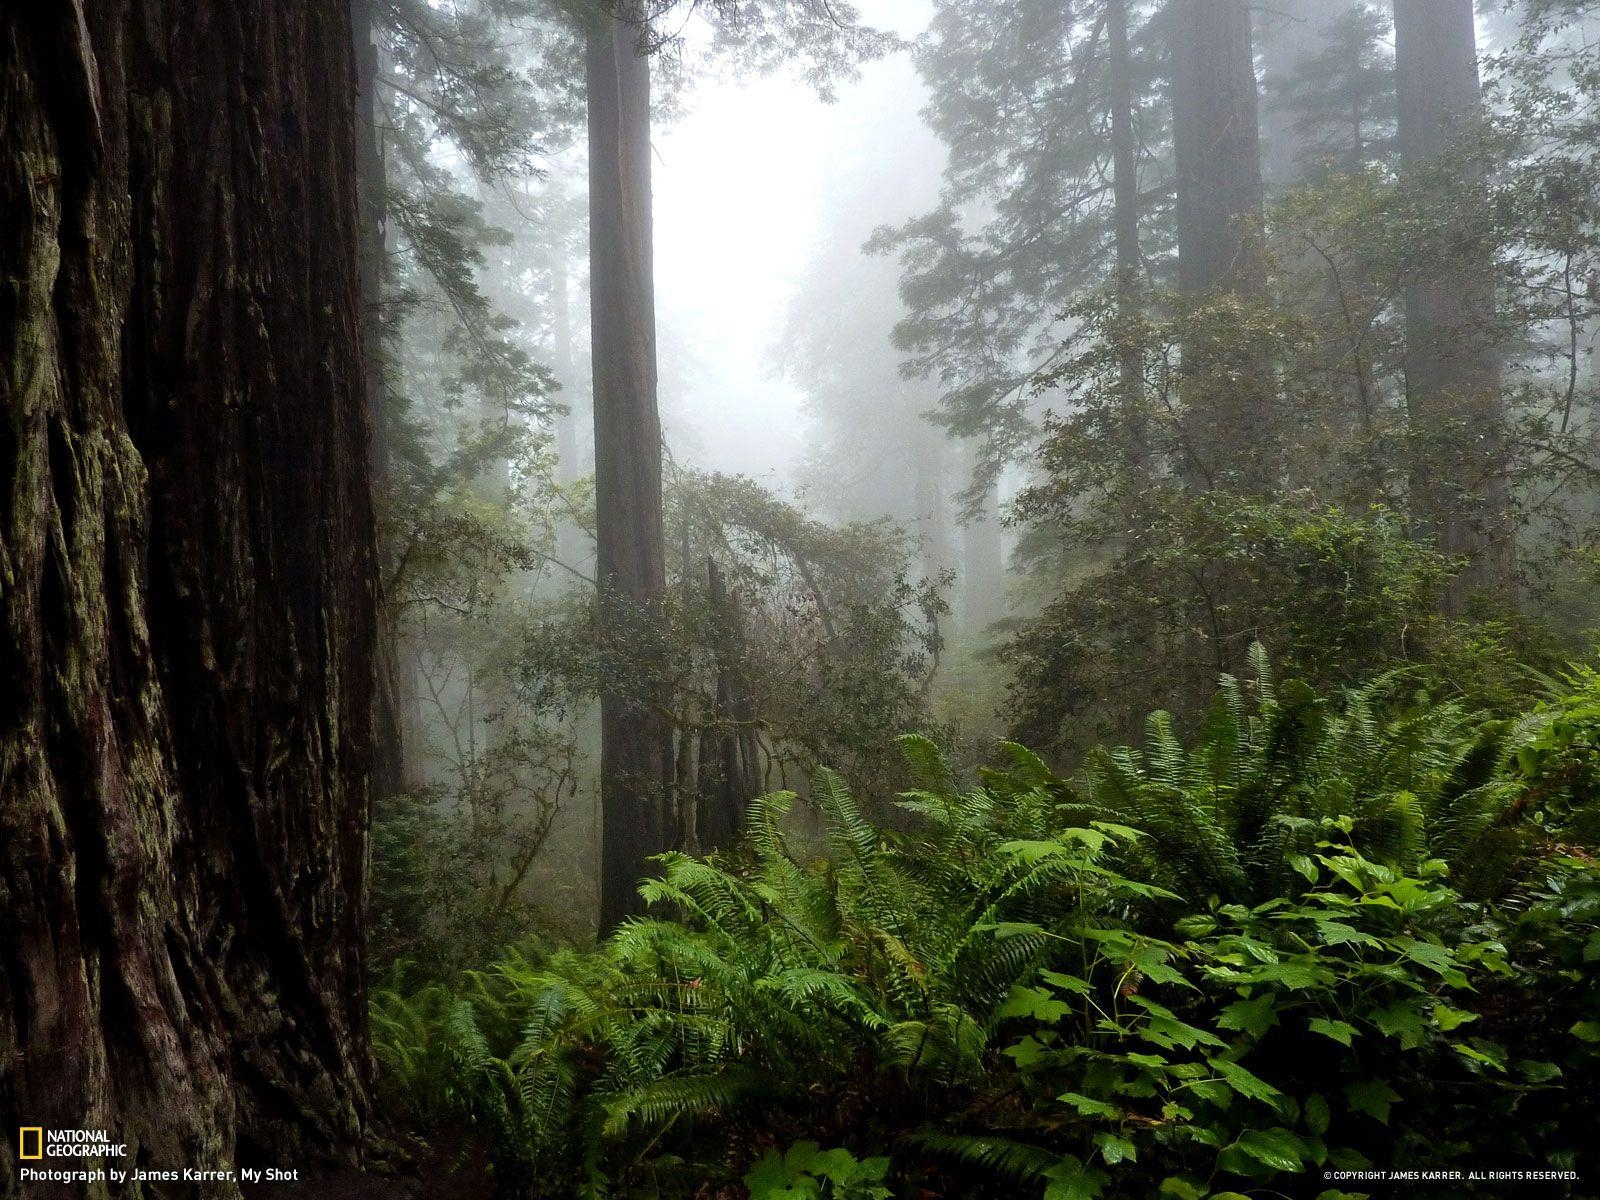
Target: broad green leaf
[[1071, 1179], [1254, 1017], [1373, 1097], [1196, 925], [1401, 1020], [1538, 1072], [1337, 933], [1036, 1003], [1088, 1106], [1067, 983], [1277, 1148], [1296, 976], [1245, 1083], [1447, 1018], [1318, 1115], [1115, 1149], [1435, 958], [1339, 1031], [1027, 1053], [1479, 1056]]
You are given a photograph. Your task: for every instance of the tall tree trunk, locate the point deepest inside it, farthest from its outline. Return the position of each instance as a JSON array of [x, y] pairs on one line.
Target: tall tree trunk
[[1231, 430], [636, 769], [983, 566], [572, 544], [729, 775], [1460, 492], [933, 533], [187, 581], [390, 774], [1125, 205]]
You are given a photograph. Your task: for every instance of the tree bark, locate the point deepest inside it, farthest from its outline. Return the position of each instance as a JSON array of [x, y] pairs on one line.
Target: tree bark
[[636, 768], [391, 774], [729, 775], [573, 546], [187, 582], [1460, 491], [1231, 428]]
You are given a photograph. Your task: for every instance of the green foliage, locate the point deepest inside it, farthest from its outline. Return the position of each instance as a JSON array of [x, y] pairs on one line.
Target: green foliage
[[820, 633], [1239, 814], [1020, 93], [1341, 96], [1337, 594], [1556, 754], [807, 1172], [1042, 993]]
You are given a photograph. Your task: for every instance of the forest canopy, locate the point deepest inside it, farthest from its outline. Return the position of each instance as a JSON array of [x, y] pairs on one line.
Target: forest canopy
[[800, 600]]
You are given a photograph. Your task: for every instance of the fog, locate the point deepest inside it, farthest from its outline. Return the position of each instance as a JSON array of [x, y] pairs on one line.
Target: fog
[[747, 182], [799, 599]]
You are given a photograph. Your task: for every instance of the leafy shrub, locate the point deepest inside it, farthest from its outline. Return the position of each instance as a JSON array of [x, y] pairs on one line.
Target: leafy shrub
[[1240, 966], [1194, 583], [807, 1172]]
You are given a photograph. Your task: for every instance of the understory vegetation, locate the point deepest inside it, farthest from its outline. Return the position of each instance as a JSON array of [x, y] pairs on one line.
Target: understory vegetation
[[1324, 933], [795, 826]]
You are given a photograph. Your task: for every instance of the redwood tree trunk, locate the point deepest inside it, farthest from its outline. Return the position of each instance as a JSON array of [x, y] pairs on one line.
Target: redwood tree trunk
[[729, 775], [636, 767], [391, 766], [1126, 216], [984, 566], [1231, 430], [1460, 492], [186, 581]]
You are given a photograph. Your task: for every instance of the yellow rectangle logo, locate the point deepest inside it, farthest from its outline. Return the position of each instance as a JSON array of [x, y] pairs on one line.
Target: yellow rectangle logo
[[38, 1141]]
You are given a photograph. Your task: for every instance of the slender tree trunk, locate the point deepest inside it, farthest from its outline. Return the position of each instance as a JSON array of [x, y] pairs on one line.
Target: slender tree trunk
[[390, 774], [1231, 434], [1125, 202], [572, 545], [636, 769], [984, 565], [187, 582], [729, 776], [932, 526], [1460, 491]]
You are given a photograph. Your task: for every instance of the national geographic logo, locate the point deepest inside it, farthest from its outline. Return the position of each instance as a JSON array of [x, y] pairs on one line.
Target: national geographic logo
[[35, 1143]]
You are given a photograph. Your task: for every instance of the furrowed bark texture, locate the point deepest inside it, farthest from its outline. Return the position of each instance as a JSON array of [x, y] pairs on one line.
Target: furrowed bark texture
[[636, 759], [186, 581], [1460, 491]]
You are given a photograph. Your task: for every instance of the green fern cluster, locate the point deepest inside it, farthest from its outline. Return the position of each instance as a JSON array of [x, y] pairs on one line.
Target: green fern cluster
[[1161, 970], [1236, 815], [823, 991]]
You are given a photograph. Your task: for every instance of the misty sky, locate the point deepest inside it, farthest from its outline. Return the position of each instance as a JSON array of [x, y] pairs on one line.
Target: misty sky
[[741, 194]]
